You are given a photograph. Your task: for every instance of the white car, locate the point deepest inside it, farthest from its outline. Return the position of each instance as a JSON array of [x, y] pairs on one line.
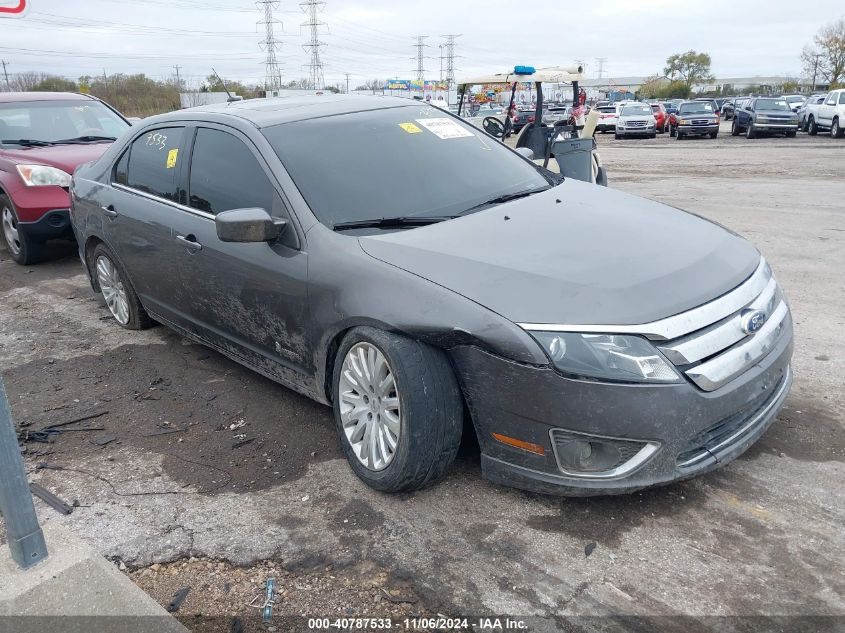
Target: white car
[[635, 119], [607, 118], [831, 115]]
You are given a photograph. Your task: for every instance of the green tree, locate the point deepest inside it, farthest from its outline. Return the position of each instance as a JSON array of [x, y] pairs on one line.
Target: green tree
[[651, 87], [690, 67], [54, 83]]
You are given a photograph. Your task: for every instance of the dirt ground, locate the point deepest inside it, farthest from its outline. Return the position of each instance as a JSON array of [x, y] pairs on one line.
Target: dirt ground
[[198, 472]]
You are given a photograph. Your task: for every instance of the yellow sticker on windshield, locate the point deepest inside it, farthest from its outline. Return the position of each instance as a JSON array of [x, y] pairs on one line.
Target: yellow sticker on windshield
[[410, 128], [172, 155]]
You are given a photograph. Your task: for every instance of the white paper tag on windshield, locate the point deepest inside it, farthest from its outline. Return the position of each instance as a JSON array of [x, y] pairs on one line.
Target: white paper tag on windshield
[[445, 128]]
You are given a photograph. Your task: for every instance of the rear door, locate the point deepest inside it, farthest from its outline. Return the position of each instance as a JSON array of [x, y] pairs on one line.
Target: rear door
[[248, 299], [137, 211]]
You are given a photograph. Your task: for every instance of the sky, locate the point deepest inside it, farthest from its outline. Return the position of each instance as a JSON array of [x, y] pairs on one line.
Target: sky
[[374, 38]]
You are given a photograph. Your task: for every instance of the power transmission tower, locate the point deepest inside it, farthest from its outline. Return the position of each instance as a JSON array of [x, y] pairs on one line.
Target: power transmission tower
[[272, 72], [601, 62], [6, 74], [450, 59], [315, 66], [420, 57]]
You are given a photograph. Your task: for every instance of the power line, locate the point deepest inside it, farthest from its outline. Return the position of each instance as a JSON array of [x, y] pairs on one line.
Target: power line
[[315, 65], [272, 72], [421, 46]]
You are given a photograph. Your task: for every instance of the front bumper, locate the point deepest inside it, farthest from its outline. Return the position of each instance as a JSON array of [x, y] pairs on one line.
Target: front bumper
[[606, 127], [53, 224], [528, 402], [638, 131], [698, 129], [775, 127]]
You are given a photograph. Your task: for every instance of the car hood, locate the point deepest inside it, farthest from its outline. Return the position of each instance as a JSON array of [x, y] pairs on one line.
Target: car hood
[[576, 254], [65, 157]]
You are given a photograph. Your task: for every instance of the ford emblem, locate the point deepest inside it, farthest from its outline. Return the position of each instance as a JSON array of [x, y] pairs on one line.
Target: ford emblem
[[752, 321]]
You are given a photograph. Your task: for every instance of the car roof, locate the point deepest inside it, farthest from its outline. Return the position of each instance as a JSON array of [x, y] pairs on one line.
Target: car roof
[[276, 110], [14, 97]]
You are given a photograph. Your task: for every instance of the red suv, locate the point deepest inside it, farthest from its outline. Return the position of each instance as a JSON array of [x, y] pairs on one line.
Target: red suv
[[44, 136], [661, 117]]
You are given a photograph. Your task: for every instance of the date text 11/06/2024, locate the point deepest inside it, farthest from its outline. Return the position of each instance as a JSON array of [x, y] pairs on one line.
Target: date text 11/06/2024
[[422, 623]]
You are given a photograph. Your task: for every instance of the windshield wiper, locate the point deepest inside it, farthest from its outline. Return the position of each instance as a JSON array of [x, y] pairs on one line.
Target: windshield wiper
[[26, 142], [508, 197], [84, 139], [390, 223]]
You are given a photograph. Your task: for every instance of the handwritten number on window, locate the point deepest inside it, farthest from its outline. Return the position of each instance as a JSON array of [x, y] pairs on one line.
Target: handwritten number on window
[[157, 140]]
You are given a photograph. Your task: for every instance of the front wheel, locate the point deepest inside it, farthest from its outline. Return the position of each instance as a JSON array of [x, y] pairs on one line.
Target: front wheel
[[23, 249], [812, 128], [835, 129], [749, 131], [714, 134], [734, 128], [397, 408]]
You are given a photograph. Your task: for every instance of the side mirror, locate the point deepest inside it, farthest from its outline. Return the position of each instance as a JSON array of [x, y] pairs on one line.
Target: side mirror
[[525, 151], [248, 225]]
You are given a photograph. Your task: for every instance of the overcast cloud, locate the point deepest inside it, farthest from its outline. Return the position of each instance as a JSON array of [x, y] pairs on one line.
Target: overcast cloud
[[373, 39]]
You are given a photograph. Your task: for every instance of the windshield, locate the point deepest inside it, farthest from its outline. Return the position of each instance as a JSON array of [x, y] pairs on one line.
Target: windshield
[[608, 109], [636, 110], [51, 121], [697, 107], [405, 162], [772, 104]]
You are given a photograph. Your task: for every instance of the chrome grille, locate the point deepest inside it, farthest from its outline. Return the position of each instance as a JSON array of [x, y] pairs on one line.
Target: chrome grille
[[702, 122], [635, 123], [713, 354]]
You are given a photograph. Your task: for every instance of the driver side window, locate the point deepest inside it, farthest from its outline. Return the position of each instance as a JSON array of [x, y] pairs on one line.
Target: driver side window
[[831, 100]]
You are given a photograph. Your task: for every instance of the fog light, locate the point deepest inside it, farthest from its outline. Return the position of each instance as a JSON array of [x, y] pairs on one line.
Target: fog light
[[589, 456]]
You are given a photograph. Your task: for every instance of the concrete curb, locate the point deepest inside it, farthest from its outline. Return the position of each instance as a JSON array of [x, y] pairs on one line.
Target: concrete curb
[[75, 588]]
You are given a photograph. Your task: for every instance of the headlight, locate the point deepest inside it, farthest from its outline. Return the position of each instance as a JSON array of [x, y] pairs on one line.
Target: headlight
[[682, 122], [606, 357], [40, 175]]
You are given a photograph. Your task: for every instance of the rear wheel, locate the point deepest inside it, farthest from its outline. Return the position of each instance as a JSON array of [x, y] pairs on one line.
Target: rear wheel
[[397, 408], [23, 249], [117, 291]]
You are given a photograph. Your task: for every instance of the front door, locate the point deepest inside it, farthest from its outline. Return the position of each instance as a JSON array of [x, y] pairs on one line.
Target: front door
[[249, 299]]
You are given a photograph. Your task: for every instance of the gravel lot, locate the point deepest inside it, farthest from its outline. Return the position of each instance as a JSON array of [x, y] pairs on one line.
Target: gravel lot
[[173, 501]]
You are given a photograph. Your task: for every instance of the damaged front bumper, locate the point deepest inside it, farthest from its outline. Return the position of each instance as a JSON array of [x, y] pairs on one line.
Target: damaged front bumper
[[664, 433]]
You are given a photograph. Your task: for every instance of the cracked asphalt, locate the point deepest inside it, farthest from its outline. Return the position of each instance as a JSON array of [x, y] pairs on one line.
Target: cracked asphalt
[[213, 471]]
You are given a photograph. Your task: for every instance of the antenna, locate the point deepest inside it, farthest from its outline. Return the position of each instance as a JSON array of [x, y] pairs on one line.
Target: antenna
[[223, 83]]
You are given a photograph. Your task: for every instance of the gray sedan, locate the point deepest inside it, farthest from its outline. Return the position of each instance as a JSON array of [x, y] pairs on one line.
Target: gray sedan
[[389, 260]]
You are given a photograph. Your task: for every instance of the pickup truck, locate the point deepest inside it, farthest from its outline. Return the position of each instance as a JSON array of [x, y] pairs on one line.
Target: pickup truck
[[764, 115], [810, 109], [830, 115]]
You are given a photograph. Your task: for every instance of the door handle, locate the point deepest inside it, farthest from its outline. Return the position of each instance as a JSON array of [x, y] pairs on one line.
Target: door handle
[[190, 242], [109, 211]]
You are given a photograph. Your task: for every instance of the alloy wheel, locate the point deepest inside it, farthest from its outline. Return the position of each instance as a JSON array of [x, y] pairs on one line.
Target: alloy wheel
[[10, 231], [113, 289], [369, 406]]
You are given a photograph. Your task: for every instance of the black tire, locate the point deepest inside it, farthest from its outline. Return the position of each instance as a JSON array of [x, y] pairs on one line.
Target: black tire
[[836, 130], [749, 131], [22, 248], [812, 128], [714, 134], [652, 135], [616, 136], [791, 134], [138, 317], [672, 132], [431, 405], [734, 128], [678, 135]]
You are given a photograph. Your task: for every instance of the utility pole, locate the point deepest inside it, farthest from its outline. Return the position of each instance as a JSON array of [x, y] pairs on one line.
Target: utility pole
[[816, 58], [272, 72], [450, 59], [178, 80], [347, 82], [420, 57], [601, 62], [315, 66], [6, 74]]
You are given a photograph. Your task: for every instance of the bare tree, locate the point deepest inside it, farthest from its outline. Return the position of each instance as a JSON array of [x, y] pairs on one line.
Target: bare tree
[[830, 44]]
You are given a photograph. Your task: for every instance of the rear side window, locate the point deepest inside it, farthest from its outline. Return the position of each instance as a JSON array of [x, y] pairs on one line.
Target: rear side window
[[154, 162], [841, 98], [226, 175]]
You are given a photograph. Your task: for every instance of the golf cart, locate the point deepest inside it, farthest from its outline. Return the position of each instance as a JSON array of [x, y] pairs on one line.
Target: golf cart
[[569, 141]]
